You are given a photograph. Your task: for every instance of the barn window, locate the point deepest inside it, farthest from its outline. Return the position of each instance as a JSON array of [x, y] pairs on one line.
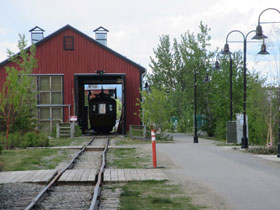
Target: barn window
[[50, 99], [68, 43], [50, 90]]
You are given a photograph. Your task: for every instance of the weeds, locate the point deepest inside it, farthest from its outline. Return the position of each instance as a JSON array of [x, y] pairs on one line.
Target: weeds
[[154, 195]]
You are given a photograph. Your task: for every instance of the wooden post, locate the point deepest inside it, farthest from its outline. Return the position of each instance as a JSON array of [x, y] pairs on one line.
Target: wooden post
[[130, 131], [144, 133], [72, 130], [57, 130], [153, 134]]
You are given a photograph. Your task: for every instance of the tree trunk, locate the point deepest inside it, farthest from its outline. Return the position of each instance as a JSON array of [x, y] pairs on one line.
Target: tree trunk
[[7, 133]]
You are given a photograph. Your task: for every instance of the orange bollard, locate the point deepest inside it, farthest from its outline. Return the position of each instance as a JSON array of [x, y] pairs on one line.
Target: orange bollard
[[153, 134]]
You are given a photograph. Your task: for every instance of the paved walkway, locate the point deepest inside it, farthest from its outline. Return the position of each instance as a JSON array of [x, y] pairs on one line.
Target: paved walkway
[[242, 180]]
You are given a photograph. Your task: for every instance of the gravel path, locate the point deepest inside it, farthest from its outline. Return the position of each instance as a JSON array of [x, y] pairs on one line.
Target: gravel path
[[17, 195], [110, 195], [68, 197], [75, 196]]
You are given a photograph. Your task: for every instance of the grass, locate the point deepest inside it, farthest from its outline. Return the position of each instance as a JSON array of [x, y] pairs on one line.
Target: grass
[[128, 141], [226, 144], [34, 159], [154, 195], [264, 150], [31, 159], [127, 158], [215, 138], [68, 141]]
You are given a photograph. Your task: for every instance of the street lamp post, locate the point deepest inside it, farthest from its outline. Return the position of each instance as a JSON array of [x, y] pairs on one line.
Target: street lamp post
[[195, 137], [260, 35], [244, 140], [230, 86]]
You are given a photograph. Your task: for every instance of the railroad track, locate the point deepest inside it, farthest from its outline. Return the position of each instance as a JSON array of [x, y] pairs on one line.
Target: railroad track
[[74, 195]]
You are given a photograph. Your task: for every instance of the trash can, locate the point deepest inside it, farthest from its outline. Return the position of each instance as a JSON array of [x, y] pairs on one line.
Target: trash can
[[174, 123]]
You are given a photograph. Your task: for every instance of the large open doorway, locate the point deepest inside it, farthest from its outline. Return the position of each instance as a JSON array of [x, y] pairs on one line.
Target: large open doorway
[[86, 82]]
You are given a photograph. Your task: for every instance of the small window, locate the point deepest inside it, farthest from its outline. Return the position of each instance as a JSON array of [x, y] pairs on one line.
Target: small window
[[101, 108], [68, 42], [110, 107], [101, 36], [94, 108]]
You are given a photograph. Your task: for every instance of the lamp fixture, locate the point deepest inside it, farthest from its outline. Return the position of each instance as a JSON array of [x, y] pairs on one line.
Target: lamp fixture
[[263, 49], [259, 33], [226, 50]]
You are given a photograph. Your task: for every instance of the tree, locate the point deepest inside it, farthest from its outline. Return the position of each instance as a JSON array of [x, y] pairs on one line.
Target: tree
[[155, 109], [218, 103], [17, 98], [173, 66], [272, 100]]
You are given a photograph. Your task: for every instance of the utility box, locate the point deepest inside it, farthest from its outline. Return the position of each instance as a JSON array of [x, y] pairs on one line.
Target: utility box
[[231, 132], [239, 127], [235, 129]]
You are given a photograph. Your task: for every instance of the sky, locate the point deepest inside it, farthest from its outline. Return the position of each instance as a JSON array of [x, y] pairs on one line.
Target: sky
[[135, 26]]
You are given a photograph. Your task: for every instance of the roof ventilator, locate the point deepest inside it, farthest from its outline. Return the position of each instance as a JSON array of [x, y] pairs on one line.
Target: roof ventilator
[[101, 35], [37, 34]]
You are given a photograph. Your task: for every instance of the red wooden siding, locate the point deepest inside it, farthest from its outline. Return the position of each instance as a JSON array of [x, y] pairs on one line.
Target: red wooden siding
[[87, 57]]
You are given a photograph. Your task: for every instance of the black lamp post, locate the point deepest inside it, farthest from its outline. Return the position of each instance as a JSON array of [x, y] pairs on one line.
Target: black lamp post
[[206, 80], [195, 137], [244, 140], [260, 35]]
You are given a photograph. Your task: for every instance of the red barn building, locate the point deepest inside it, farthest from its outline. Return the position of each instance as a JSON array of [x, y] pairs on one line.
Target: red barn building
[[67, 61]]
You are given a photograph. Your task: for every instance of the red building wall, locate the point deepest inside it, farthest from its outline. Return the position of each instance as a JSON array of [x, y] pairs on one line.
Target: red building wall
[[88, 56]]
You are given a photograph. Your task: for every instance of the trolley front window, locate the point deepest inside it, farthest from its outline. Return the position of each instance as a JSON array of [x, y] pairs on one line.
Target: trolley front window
[[101, 108]]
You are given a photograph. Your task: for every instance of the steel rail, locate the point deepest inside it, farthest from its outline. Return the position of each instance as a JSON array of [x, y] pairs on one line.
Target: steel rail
[[56, 177], [97, 190]]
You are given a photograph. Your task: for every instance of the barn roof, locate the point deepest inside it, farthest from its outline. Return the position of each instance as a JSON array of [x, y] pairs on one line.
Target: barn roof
[[42, 41]]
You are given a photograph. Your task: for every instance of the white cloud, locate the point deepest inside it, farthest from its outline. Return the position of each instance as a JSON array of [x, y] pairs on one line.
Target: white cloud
[[135, 26], [3, 31]]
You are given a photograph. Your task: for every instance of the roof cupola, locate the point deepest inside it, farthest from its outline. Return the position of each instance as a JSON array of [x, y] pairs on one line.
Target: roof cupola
[[101, 35]]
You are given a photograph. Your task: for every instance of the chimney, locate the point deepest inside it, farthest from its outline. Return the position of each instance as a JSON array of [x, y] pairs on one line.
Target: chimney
[[101, 35], [37, 34]]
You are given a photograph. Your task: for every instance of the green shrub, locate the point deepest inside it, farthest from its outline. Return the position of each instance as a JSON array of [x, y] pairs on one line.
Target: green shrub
[[1, 147], [1, 166], [164, 136], [53, 134], [14, 140], [78, 131], [44, 140], [33, 139]]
